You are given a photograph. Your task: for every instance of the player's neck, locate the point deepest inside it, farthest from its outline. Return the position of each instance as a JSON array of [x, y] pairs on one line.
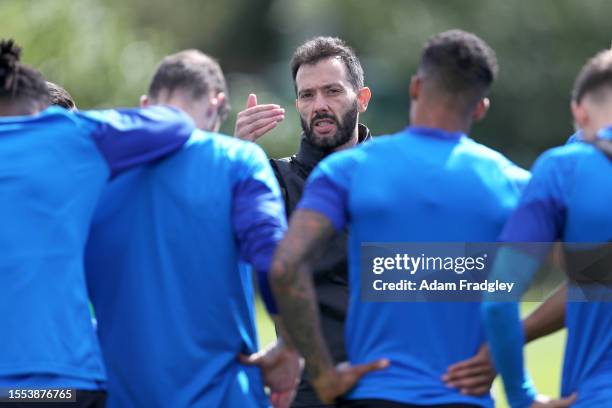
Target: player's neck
[[441, 119], [19, 108]]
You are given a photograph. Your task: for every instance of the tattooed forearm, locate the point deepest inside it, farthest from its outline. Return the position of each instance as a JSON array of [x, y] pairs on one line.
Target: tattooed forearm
[[291, 281]]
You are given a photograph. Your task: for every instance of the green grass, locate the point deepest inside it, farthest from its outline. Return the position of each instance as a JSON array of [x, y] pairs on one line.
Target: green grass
[[544, 357], [265, 327]]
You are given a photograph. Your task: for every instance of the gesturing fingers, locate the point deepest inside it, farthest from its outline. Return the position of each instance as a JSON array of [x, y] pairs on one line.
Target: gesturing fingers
[[259, 109], [251, 101], [256, 121]]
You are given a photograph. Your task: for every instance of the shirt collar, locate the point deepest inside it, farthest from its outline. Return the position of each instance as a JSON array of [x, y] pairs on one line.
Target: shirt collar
[[576, 137], [605, 133]]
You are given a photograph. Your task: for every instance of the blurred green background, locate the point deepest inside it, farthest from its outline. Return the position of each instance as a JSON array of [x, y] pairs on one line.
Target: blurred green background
[[105, 51]]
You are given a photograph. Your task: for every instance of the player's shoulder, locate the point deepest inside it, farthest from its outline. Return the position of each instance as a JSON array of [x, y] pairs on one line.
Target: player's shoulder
[[55, 114], [485, 155], [483, 152], [561, 165], [383, 142], [564, 158], [376, 146], [54, 119], [201, 139], [570, 151], [223, 145], [557, 167], [345, 160]]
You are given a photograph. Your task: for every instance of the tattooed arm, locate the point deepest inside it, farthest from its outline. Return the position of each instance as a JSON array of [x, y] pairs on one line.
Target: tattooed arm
[[294, 290], [291, 281]]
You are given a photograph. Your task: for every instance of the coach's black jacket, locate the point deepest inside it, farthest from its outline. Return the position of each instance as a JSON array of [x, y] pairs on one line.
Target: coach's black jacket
[[331, 273]]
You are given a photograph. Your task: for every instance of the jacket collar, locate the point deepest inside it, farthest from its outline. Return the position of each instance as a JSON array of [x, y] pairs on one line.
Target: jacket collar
[[310, 155]]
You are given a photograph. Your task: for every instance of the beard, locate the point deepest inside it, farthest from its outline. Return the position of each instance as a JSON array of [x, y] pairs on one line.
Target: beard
[[344, 129]]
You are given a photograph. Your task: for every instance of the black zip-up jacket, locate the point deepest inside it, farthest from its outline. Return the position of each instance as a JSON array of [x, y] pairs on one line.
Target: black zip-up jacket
[[331, 272]]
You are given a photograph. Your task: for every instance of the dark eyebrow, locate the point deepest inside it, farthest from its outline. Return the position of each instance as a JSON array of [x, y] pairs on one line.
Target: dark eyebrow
[[332, 85], [326, 86], [301, 91]]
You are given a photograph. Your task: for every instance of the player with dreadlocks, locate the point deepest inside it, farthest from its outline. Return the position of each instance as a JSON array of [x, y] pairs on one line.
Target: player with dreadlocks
[[53, 166]]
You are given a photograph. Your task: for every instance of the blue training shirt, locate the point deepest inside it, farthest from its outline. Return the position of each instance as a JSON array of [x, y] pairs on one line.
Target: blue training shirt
[[167, 276], [569, 199], [53, 167], [419, 185]]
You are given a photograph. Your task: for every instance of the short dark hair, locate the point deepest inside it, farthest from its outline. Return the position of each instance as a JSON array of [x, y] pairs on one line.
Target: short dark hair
[[58, 96], [191, 71], [19, 83], [319, 48], [460, 63], [595, 74]]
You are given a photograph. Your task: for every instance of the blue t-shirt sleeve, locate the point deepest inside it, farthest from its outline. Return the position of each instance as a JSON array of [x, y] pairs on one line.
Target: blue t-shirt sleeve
[[519, 176], [258, 217], [540, 214], [130, 137], [503, 327], [327, 188], [539, 217]]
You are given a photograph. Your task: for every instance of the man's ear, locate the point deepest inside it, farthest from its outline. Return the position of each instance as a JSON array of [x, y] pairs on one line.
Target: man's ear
[[144, 101], [416, 84], [363, 99], [581, 116], [218, 100], [481, 109]]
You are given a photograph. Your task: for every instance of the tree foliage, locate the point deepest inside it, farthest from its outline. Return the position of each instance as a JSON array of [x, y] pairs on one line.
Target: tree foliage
[[104, 53]]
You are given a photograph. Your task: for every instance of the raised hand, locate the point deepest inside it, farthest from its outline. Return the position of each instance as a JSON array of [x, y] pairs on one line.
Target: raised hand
[[257, 120]]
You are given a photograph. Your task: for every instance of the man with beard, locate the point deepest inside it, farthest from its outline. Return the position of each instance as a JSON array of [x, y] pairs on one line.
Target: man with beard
[[329, 85], [429, 182]]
